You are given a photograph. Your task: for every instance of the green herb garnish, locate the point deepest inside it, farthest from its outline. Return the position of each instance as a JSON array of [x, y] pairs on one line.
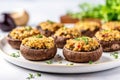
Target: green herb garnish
[[85, 39], [77, 39], [90, 62], [16, 55], [115, 55], [70, 64], [51, 22], [39, 36], [28, 28], [49, 62], [64, 28], [32, 76], [105, 30], [38, 74]]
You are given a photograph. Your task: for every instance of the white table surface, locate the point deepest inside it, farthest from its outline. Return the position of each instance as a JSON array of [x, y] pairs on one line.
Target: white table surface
[[41, 10]]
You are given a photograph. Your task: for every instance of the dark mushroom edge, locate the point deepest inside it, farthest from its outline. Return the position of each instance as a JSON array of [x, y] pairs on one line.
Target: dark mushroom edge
[[82, 49], [16, 36], [14, 43], [109, 40], [82, 57], [49, 27], [37, 54], [64, 34]]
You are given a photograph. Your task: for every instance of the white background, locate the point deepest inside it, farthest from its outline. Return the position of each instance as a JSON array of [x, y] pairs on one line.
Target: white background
[[41, 10]]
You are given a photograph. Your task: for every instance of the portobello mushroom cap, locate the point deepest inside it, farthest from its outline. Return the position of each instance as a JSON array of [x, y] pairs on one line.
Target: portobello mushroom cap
[[82, 56], [87, 27], [47, 33], [37, 54], [60, 41], [89, 33], [15, 43], [109, 46]]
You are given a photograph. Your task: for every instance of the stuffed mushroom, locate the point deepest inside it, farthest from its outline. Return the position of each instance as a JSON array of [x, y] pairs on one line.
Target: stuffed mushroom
[[88, 28], [109, 39], [48, 28], [82, 49], [63, 34], [112, 25], [16, 36], [38, 48]]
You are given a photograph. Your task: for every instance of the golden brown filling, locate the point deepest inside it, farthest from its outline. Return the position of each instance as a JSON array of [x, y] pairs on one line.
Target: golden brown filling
[[108, 35], [67, 32], [87, 25], [51, 26], [23, 32], [82, 44], [115, 25], [39, 42]]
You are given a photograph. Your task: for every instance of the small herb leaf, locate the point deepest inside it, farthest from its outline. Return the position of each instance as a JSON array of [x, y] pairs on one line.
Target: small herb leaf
[[70, 64], [39, 36], [32, 76], [90, 62], [49, 62], [16, 55], [38, 74], [85, 39], [51, 22], [28, 28], [77, 39], [115, 55]]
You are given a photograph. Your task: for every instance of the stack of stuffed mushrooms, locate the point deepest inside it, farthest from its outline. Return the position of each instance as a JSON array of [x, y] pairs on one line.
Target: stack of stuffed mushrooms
[[84, 42]]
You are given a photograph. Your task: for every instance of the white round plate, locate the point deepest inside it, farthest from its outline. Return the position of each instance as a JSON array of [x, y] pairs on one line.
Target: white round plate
[[107, 61]]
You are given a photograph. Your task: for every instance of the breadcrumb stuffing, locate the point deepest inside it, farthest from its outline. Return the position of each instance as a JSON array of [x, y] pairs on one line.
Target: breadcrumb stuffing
[[108, 35], [51, 26], [82, 44], [67, 32], [87, 25], [37, 42], [23, 32], [114, 25]]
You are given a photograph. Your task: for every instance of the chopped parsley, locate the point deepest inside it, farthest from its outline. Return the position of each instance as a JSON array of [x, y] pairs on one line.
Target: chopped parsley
[[28, 28], [51, 22], [77, 39], [90, 62], [38, 74], [16, 55], [39, 36], [49, 62], [64, 28], [85, 39], [32, 76], [70, 64], [105, 30], [115, 55]]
